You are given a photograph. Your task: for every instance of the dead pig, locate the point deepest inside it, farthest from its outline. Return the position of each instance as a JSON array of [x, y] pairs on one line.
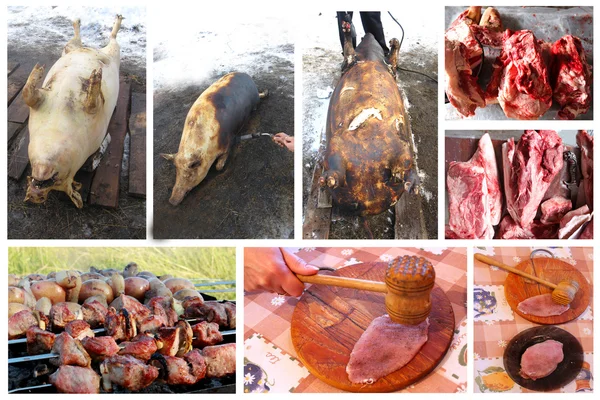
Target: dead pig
[[368, 162], [69, 114], [210, 130]]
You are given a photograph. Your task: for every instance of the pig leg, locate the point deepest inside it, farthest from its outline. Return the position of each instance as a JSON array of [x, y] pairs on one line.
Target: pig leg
[[263, 94], [335, 176], [75, 42], [94, 92], [393, 57], [349, 53], [32, 93], [112, 49], [221, 160]]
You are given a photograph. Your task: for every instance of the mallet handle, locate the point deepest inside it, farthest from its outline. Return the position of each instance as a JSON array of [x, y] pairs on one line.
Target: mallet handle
[[361, 284], [496, 263]]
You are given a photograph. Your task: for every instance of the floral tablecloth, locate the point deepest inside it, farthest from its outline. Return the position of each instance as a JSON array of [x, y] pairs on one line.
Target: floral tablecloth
[[270, 363], [495, 324]]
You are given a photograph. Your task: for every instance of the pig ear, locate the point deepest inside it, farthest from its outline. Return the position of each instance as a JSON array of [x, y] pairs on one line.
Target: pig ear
[[169, 157]]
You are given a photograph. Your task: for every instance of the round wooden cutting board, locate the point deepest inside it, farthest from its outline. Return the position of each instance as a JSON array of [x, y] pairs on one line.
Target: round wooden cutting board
[[517, 288], [328, 321], [565, 371]]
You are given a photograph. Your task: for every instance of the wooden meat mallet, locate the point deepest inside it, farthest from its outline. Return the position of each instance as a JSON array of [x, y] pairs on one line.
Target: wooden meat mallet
[[408, 284], [564, 292]]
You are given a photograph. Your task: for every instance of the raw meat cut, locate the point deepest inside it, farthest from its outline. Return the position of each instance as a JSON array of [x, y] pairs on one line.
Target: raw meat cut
[[541, 359], [520, 80], [462, 55], [554, 209], [529, 169], [509, 229], [541, 306], [571, 77], [468, 205], [573, 221], [383, 348], [486, 158], [585, 141], [588, 231]]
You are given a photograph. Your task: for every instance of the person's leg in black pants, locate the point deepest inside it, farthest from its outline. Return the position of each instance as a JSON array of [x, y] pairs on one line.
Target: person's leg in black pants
[[371, 21], [340, 18]]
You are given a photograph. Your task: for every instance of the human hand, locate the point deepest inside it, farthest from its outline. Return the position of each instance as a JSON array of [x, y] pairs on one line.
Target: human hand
[[284, 140], [272, 269]]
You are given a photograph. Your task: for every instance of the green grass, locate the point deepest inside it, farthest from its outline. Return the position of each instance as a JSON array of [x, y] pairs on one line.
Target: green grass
[[210, 263]]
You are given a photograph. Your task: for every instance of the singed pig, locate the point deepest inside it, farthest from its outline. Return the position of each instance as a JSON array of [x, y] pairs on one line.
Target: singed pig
[[368, 161], [210, 130], [69, 114]]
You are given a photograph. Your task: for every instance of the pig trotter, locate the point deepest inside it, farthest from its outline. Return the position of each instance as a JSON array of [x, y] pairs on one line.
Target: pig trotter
[[117, 25], [393, 57], [76, 185], [32, 93], [411, 181], [94, 92], [72, 192], [349, 53], [75, 42], [263, 94], [221, 161]]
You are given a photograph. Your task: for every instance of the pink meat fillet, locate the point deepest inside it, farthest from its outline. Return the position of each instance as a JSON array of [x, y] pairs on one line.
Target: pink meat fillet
[[541, 306], [529, 169], [554, 209], [383, 348], [485, 157], [509, 229], [585, 141], [541, 359], [573, 221]]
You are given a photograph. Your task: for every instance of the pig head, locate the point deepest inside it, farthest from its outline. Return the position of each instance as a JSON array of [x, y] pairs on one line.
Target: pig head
[[368, 161]]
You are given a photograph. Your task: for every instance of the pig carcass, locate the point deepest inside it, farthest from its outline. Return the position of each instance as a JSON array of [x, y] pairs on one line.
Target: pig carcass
[[210, 130], [368, 162], [69, 114]]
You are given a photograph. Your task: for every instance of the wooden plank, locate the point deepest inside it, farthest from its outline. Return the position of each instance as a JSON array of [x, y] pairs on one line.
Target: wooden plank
[[317, 221], [18, 111], [105, 185], [137, 146], [20, 158], [12, 66], [410, 221], [12, 130]]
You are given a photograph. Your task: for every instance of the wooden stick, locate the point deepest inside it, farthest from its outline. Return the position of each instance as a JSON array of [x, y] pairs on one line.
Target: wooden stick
[[360, 284], [496, 263]]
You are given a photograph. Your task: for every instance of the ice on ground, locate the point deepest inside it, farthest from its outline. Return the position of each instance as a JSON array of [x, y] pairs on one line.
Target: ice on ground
[[49, 28]]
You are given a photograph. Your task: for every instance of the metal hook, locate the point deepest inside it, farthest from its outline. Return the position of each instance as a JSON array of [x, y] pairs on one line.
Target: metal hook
[[531, 258]]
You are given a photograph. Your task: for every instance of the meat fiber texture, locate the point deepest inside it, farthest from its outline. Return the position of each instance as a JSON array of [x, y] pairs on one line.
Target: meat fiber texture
[[509, 229], [541, 306], [383, 348], [541, 359], [585, 141], [571, 77], [554, 209], [468, 205], [572, 221], [529, 168], [588, 231]]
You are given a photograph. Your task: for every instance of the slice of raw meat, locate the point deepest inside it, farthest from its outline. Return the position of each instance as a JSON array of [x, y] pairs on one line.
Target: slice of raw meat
[[485, 157], [468, 205], [460, 31], [509, 229], [541, 306], [588, 231], [571, 77], [585, 141], [573, 221], [529, 169], [520, 80], [541, 359], [554, 209], [383, 348]]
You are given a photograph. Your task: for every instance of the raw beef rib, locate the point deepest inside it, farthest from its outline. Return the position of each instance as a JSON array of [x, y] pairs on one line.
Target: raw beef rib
[[585, 141], [383, 348], [529, 168], [541, 306], [541, 359], [554, 209], [571, 77]]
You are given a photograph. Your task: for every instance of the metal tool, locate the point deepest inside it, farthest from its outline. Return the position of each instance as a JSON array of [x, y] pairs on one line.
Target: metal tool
[[254, 135], [573, 169]]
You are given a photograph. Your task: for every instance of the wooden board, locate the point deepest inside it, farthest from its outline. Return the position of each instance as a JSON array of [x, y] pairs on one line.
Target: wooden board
[[20, 158], [565, 371], [517, 288], [18, 111], [12, 130], [328, 321], [137, 147], [16, 81], [317, 221], [410, 221], [105, 186], [11, 67]]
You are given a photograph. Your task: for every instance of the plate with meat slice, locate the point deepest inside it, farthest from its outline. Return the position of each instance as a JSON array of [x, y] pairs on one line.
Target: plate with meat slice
[[329, 321], [524, 295], [543, 358]]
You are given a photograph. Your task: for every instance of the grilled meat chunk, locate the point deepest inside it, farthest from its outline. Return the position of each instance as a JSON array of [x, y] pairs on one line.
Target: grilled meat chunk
[[21, 321], [220, 360], [70, 351], [79, 329], [94, 313], [63, 313], [39, 341], [206, 334], [141, 347], [73, 379], [100, 347], [120, 325], [127, 372]]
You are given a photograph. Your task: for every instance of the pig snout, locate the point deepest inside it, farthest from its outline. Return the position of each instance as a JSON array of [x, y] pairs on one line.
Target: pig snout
[[36, 194], [177, 195]]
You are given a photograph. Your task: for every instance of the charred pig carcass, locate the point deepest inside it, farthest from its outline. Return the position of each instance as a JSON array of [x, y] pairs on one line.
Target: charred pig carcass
[[368, 162], [69, 114]]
